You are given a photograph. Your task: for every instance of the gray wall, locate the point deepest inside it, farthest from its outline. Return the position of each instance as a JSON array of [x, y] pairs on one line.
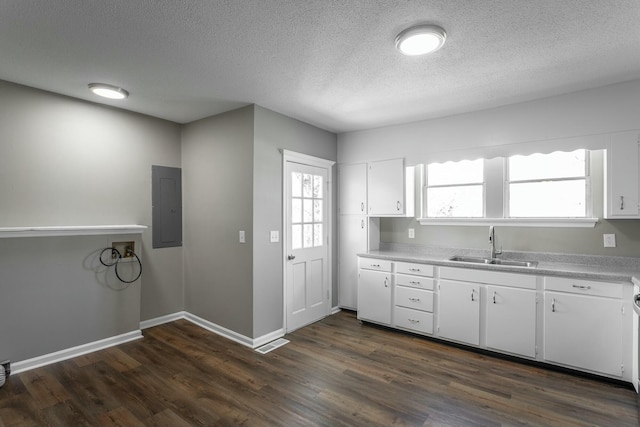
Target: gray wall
[[217, 181], [70, 162], [582, 114], [274, 132]]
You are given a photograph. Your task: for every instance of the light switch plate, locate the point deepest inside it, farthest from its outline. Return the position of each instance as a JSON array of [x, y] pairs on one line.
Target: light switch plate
[[274, 236], [412, 233], [241, 236], [609, 240]]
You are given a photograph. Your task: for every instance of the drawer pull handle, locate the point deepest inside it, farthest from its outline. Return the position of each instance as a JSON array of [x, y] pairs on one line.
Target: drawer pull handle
[[414, 299], [581, 287], [375, 265], [414, 321], [414, 269], [553, 305], [413, 282]]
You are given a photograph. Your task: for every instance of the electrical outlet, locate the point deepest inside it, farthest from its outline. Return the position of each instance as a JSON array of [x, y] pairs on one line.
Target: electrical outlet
[[609, 240], [274, 236], [241, 236], [412, 233]]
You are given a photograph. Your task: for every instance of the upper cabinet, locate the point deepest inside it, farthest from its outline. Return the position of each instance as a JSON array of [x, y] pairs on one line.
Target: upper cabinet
[[352, 179], [388, 187], [622, 189]]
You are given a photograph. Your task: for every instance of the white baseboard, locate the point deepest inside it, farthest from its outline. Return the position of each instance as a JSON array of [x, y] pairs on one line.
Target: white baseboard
[[335, 310], [146, 324], [59, 356], [271, 336]]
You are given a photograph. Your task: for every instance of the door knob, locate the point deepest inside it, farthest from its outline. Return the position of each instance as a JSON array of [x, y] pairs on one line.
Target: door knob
[[290, 257]]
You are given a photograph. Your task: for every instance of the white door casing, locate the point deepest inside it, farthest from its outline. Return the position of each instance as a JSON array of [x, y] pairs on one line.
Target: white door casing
[[307, 242]]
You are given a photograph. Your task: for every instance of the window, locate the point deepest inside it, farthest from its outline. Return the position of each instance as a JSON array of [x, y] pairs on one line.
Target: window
[[455, 189], [306, 210], [547, 185], [538, 189]]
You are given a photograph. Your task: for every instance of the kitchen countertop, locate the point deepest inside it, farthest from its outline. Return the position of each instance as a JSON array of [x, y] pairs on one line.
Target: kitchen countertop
[[588, 267]]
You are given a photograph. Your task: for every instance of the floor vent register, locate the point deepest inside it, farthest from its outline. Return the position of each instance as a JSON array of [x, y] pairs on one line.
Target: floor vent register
[[272, 346]]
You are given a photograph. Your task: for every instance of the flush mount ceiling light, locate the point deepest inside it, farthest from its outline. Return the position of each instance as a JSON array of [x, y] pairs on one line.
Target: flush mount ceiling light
[[420, 40], [108, 91]]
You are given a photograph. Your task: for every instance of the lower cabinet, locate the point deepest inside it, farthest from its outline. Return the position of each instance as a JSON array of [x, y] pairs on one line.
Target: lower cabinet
[[459, 311], [584, 331], [374, 296], [511, 320]]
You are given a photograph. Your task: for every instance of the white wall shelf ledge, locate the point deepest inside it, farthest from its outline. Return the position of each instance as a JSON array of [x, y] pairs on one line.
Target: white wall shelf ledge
[[513, 222], [70, 230]]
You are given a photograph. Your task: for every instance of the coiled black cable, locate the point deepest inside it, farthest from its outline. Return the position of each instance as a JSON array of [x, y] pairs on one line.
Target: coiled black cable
[[114, 251]]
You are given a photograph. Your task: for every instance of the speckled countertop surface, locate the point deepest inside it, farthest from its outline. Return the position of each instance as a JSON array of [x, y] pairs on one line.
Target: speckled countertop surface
[[589, 267]]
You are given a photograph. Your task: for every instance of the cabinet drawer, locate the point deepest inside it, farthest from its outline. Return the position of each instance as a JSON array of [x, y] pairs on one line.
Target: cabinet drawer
[[414, 268], [374, 264], [584, 287], [513, 280], [418, 299], [414, 281], [419, 321]]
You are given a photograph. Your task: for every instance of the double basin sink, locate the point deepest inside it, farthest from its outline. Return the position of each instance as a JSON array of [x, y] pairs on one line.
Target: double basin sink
[[494, 261]]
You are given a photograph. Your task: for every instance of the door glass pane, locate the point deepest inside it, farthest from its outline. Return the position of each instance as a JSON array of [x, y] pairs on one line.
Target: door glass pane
[[317, 186], [548, 199], [317, 211], [307, 185], [308, 236], [296, 236], [317, 234], [308, 210], [296, 210], [296, 184]]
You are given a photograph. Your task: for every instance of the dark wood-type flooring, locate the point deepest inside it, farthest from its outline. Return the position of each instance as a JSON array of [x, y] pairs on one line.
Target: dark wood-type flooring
[[336, 372]]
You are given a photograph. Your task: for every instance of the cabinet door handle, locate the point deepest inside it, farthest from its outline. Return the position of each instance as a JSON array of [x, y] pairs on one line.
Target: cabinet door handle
[[362, 224], [494, 297], [473, 294], [386, 279], [581, 287], [414, 299], [398, 206], [621, 203], [362, 206], [553, 305]]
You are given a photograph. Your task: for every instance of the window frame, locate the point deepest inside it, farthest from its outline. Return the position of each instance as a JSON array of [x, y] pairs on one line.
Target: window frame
[[482, 184]]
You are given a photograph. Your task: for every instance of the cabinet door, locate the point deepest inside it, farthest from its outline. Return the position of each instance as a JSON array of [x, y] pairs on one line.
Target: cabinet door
[[622, 187], [385, 187], [511, 320], [584, 332], [374, 296], [352, 189], [352, 239], [459, 311]]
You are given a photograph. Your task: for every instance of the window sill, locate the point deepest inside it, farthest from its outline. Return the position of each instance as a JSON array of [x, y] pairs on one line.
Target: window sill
[[513, 222]]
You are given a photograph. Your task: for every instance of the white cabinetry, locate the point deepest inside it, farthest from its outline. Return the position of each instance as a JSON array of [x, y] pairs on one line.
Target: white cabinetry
[[413, 284], [511, 320], [386, 188], [353, 232], [459, 311], [584, 324], [352, 179], [622, 188], [374, 290]]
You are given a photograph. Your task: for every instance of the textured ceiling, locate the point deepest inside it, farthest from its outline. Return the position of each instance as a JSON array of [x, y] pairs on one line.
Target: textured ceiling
[[331, 63]]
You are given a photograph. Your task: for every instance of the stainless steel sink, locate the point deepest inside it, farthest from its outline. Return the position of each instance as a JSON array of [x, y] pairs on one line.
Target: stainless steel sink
[[494, 261]]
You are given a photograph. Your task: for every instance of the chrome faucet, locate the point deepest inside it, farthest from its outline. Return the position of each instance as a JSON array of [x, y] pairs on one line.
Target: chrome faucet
[[492, 241]]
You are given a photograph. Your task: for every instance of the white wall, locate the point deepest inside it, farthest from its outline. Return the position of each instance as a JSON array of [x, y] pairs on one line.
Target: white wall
[[70, 162]]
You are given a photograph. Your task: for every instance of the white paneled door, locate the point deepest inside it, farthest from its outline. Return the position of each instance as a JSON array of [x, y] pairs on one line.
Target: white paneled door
[[307, 269]]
